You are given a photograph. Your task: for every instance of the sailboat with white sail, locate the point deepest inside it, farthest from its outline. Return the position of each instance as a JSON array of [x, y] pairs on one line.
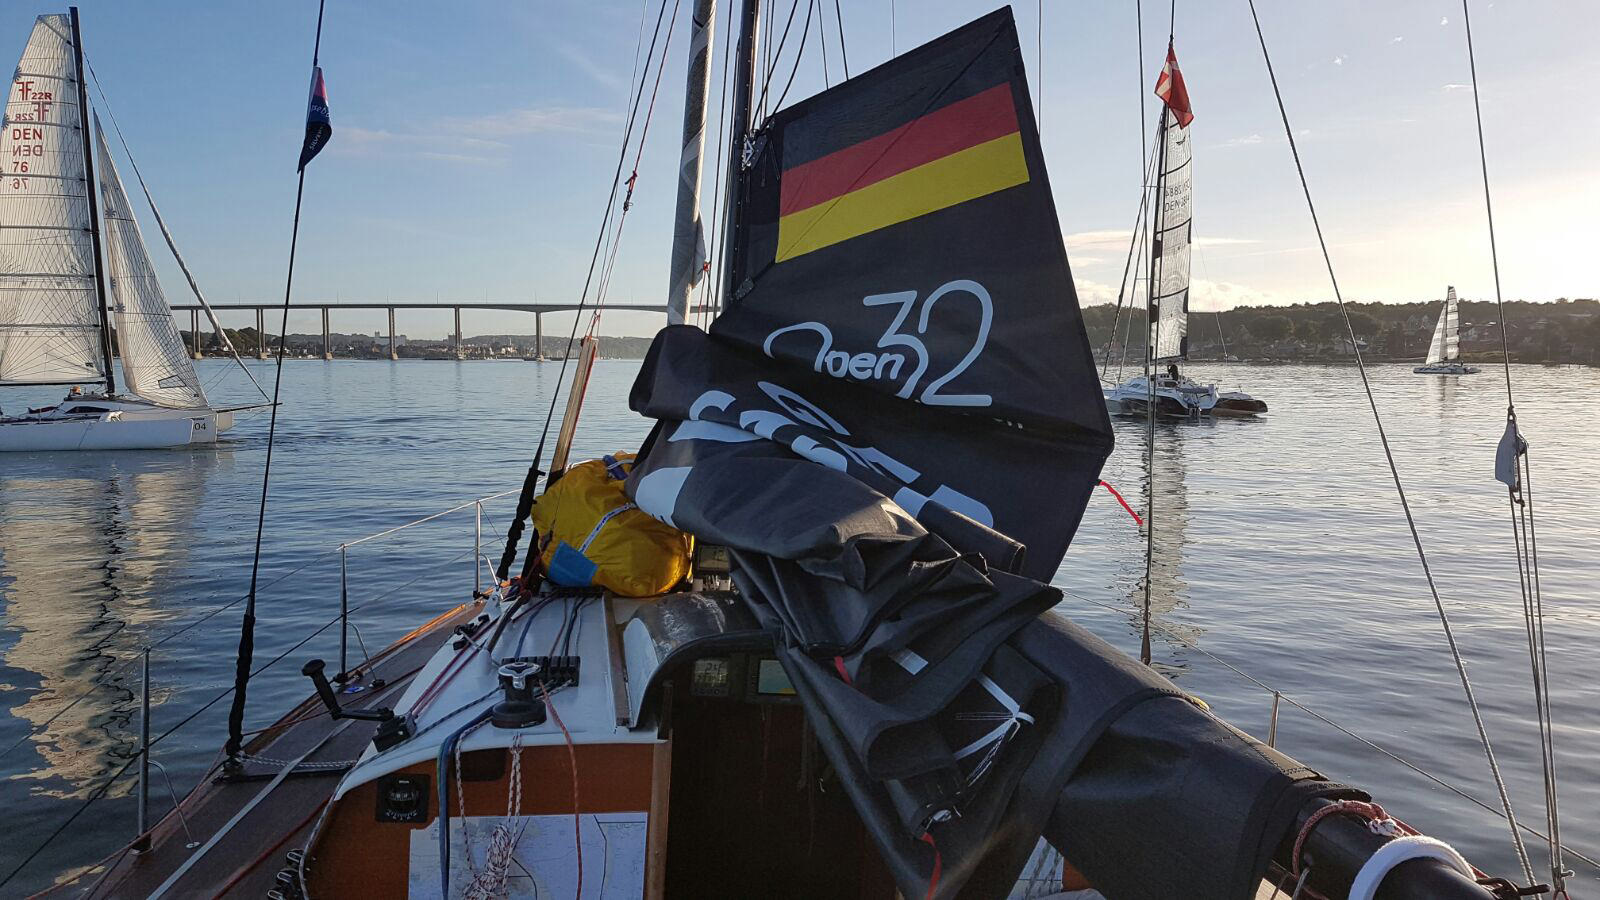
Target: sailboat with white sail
[[1444, 351], [1171, 393], [76, 280]]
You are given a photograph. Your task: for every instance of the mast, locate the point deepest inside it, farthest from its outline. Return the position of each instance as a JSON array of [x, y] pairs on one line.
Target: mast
[[91, 186], [744, 78], [688, 237]]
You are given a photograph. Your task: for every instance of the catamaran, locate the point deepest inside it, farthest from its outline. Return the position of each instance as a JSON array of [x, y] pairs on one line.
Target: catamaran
[[1170, 392], [76, 281], [1444, 351]]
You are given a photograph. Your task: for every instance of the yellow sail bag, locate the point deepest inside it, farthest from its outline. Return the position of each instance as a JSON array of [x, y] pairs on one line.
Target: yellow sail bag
[[592, 534]]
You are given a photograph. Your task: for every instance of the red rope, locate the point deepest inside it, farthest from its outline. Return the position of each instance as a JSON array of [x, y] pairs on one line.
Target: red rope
[[938, 865], [572, 756], [1371, 812], [1118, 495], [839, 666]]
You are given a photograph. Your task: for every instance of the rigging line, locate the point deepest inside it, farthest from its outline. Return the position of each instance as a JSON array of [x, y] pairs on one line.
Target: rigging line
[[822, 35], [1524, 535], [838, 15], [247, 629], [38, 729], [777, 55], [106, 785], [1394, 470], [1134, 239], [712, 282], [1488, 208], [530, 481], [799, 54], [616, 239], [894, 47], [167, 234], [1185, 641]]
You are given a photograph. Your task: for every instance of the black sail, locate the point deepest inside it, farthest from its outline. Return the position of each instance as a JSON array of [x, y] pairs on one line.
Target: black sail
[[905, 311], [894, 429]]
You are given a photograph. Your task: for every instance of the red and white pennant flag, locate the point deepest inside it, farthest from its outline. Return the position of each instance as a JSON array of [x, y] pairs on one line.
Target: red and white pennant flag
[[1172, 91]]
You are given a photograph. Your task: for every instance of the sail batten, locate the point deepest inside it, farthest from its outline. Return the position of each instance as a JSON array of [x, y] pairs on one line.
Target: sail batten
[[50, 329], [1446, 343], [155, 364]]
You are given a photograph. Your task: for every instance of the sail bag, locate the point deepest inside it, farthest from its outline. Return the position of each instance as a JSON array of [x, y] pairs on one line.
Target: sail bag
[[593, 535]]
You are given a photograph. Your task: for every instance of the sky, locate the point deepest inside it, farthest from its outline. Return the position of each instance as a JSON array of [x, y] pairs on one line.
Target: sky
[[474, 143]]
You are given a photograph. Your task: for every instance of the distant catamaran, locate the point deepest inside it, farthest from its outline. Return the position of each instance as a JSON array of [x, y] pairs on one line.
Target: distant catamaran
[[58, 294], [1170, 235], [1444, 351]]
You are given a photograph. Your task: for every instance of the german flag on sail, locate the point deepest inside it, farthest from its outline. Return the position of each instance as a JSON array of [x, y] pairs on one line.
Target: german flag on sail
[[959, 152]]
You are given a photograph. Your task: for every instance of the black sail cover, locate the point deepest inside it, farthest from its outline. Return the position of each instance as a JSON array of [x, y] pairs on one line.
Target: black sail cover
[[895, 427]]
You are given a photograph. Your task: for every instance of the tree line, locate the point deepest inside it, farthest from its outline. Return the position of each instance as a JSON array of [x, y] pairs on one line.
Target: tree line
[[1563, 331]]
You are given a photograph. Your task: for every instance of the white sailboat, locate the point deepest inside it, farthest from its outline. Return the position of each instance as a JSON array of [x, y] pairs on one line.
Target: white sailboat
[[1172, 394], [58, 295], [1444, 351]]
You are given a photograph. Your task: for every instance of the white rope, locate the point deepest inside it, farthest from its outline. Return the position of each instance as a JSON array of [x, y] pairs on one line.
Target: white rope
[[503, 842], [1394, 470]]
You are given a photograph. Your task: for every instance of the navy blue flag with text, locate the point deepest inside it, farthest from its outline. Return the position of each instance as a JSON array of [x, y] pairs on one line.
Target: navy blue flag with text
[[318, 126]]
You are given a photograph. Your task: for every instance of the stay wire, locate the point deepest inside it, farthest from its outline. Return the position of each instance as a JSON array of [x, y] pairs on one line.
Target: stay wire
[[615, 248], [1394, 470], [247, 629], [822, 35], [799, 54], [838, 16], [171, 243], [1183, 640], [712, 283], [530, 481], [105, 786], [777, 55], [1520, 497]]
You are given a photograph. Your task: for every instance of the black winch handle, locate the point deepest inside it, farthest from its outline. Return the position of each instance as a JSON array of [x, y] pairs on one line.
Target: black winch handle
[[313, 671]]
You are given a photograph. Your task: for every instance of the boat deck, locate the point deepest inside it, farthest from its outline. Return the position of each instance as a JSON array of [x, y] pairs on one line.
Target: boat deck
[[244, 823]]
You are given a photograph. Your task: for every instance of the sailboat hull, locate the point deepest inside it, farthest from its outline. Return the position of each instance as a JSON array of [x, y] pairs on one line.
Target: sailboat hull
[[99, 424], [1446, 369]]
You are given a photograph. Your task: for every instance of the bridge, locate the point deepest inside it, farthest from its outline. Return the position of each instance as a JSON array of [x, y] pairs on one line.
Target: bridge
[[261, 309]]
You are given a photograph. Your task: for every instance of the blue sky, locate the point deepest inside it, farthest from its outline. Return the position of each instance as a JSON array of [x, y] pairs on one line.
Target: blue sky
[[473, 142]]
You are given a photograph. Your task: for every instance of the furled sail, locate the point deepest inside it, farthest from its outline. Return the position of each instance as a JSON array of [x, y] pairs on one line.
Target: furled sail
[[49, 322], [1170, 327], [1446, 344], [155, 364]]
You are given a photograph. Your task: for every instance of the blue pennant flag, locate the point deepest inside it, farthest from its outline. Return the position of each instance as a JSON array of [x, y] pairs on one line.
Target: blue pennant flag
[[318, 126]]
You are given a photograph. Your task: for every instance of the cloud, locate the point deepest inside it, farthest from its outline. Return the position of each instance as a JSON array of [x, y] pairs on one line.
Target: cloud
[[536, 120], [1444, 20], [587, 64], [1397, 39], [1456, 86], [1244, 141], [1338, 60], [470, 140], [1094, 293]]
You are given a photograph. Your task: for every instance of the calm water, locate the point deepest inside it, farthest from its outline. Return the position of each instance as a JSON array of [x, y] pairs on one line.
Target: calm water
[[1280, 548]]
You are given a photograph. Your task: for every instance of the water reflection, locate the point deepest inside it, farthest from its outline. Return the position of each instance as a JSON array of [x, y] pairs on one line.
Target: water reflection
[[87, 548], [1169, 591]]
